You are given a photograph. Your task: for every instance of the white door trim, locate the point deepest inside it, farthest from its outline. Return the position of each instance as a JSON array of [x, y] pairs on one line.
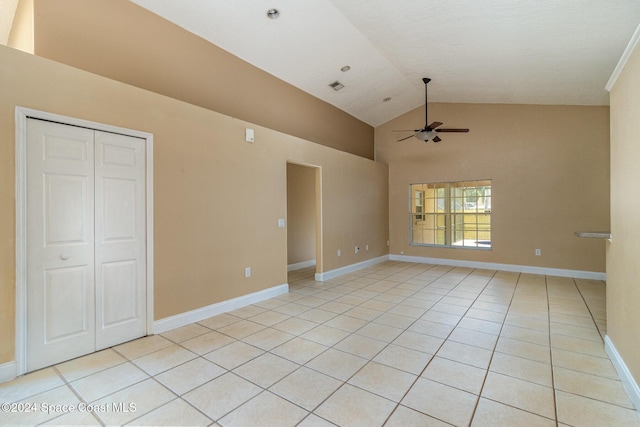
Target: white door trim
[[21, 115]]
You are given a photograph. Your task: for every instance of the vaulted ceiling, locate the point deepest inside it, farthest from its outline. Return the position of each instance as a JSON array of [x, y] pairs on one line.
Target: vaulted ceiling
[[7, 12], [475, 51]]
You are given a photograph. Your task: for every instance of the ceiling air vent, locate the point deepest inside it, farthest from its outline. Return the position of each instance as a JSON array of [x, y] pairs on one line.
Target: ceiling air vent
[[336, 85]]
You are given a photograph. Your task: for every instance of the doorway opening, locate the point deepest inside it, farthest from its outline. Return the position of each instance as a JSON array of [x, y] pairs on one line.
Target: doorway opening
[[304, 218]]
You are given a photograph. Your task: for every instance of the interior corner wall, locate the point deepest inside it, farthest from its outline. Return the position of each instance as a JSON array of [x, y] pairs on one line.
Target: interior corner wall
[[623, 253], [205, 177], [122, 41], [301, 213], [549, 167], [21, 35]]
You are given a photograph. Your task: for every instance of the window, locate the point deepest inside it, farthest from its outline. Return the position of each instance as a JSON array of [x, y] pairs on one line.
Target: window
[[419, 201], [456, 214]]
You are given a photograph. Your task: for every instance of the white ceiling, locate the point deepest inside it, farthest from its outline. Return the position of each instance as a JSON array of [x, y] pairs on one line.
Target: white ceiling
[[475, 51]]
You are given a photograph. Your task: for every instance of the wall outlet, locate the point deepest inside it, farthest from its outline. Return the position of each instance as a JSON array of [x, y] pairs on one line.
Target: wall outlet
[[387, 243], [339, 252], [281, 223], [357, 249], [366, 247], [538, 252], [247, 272]]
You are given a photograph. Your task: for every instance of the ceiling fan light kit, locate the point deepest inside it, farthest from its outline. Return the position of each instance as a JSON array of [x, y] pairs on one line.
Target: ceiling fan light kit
[[429, 132]]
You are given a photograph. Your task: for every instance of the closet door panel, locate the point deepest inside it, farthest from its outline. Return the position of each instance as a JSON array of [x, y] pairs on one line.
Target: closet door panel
[[120, 238], [60, 243]]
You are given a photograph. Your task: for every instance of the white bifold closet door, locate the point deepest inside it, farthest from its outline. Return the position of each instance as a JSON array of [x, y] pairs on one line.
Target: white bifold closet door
[[86, 273]]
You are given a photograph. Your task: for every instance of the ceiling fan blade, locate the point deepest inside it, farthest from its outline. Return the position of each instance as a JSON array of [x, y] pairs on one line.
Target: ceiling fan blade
[[437, 139], [452, 130], [410, 136], [406, 130], [434, 125]]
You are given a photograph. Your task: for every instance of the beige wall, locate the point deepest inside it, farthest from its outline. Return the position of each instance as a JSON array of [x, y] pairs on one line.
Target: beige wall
[[122, 41], [301, 213], [204, 173], [549, 167], [623, 268]]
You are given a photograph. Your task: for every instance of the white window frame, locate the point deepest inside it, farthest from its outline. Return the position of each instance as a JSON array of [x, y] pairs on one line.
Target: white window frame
[[450, 213]]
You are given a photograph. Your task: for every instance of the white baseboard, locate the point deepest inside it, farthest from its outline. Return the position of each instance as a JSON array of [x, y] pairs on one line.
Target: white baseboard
[[578, 274], [8, 371], [301, 265], [321, 277], [630, 384], [182, 319]]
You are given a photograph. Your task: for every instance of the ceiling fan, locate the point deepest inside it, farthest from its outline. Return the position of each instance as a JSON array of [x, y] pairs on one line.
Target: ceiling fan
[[428, 132]]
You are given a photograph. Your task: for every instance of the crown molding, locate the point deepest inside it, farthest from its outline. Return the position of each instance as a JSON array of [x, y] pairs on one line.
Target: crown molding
[[633, 43]]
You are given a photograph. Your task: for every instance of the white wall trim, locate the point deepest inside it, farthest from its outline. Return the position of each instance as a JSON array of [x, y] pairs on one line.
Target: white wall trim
[[150, 235], [21, 241], [8, 371], [321, 277], [182, 319], [578, 274], [633, 43], [301, 265], [630, 384], [21, 115]]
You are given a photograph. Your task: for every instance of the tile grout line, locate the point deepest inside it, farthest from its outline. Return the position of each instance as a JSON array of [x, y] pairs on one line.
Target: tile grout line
[[355, 332], [269, 351], [77, 394], [153, 377], [201, 356], [553, 374], [580, 372], [584, 300], [558, 300], [149, 376], [346, 382], [441, 345], [493, 352]]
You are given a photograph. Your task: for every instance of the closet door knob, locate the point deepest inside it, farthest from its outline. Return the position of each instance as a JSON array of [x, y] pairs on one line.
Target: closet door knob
[[64, 257]]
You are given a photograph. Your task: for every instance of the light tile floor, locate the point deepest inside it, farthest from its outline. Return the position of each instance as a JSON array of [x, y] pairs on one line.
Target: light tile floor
[[396, 344]]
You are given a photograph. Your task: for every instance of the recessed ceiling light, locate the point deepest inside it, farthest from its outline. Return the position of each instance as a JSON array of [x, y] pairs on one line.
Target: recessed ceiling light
[[273, 13], [345, 68], [387, 99]]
